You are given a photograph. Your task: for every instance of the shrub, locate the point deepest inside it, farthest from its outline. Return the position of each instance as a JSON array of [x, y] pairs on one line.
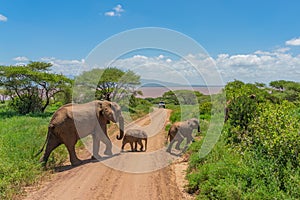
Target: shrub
[[276, 132], [29, 103], [205, 108]]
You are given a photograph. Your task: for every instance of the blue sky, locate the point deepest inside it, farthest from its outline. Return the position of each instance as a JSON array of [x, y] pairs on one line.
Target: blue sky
[[248, 40]]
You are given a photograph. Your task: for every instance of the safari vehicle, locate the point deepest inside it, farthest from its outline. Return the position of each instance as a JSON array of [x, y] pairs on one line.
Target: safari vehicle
[[161, 104]]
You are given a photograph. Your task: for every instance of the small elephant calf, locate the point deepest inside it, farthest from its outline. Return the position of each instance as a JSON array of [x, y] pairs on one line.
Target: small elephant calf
[[135, 136]]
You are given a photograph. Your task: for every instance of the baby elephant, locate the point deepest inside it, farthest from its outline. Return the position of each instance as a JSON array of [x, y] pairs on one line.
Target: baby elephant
[[135, 136]]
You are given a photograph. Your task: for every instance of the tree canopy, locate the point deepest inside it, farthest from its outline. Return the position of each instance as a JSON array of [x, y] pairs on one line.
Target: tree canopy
[[31, 86], [185, 97], [109, 84]]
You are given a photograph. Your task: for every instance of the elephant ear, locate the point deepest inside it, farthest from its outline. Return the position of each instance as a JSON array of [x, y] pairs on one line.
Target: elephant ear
[[105, 109], [191, 123], [99, 109], [194, 121]]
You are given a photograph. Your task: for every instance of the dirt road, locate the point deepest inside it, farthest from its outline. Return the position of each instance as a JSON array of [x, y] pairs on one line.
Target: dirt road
[[127, 175]]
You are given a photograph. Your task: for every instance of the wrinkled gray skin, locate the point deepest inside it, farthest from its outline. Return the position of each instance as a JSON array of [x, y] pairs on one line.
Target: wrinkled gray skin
[[74, 121], [135, 136], [180, 130]]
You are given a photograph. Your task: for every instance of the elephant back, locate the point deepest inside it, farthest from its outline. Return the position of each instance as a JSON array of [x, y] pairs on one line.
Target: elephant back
[[136, 133], [59, 116]]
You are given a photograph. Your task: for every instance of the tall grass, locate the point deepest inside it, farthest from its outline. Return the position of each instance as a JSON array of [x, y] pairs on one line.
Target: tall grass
[[21, 137], [226, 174]]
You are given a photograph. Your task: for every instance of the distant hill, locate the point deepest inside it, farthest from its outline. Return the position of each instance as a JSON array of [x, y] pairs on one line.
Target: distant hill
[[157, 83]]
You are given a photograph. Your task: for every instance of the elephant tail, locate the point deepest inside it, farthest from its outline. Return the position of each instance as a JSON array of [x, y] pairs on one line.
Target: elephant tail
[[169, 135], [172, 130], [48, 135]]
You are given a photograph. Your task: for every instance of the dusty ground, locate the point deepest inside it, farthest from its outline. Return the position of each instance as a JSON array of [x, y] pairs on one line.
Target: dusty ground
[[126, 175]]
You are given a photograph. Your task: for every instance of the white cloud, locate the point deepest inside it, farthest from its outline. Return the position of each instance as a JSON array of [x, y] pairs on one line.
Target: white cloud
[[116, 11], [67, 67], [110, 14], [163, 68], [20, 64], [293, 42], [160, 57], [261, 66], [168, 60], [283, 50], [21, 59], [140, 57], [3, 18]]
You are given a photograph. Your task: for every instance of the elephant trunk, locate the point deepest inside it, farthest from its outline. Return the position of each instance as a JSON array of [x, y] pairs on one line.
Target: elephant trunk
[[121, 127]]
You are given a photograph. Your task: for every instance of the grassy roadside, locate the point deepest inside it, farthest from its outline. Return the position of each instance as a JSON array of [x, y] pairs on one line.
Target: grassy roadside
[[20, 139], [245, 170]]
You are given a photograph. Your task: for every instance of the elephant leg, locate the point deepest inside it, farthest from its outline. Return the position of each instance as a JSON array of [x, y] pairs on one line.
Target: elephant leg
[[179, 141], [135, 146], [189, 139], [123, 145], [170, 146], [102, 133], [96, 146], [71, 149], [52, 143], [108, 146], [131, 145], [70, 142], [141, 144]]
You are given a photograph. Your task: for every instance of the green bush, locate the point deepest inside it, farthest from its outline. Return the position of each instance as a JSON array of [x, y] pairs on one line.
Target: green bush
[[28, 104], [276, 132], [215, 176], [226, 174]]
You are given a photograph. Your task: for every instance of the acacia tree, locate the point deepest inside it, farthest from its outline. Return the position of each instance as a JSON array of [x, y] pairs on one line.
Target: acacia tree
[[30, 87], [287, 90], [170, 97], [109, 84]]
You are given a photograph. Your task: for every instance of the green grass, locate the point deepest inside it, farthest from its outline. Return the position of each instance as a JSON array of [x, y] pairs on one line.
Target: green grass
[[183, 112], [21, 137], [228, 173]]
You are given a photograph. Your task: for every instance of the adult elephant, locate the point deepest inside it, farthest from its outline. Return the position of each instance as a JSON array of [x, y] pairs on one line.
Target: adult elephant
[[180, 130], [74, 121]]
